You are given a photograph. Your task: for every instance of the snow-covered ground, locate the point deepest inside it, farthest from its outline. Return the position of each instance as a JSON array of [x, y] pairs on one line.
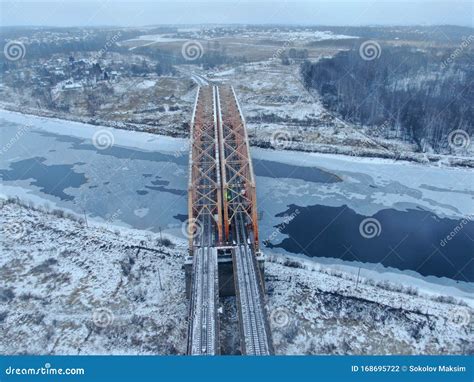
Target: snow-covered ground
[[146, 84], [67, 288], [321, 311], [306, 36], [71, 289], [281, 113], [157, 104], [147, 40]]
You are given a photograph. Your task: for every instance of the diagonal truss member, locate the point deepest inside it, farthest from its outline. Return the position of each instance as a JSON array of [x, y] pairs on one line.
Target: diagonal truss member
[[204, 187]]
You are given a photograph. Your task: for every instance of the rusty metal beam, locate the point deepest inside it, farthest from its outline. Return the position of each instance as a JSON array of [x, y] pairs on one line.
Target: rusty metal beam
[[221, 179], [237, 178], [204, 187]]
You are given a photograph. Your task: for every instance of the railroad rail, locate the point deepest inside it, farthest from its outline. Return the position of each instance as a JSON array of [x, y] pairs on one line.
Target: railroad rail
[[203, 338]]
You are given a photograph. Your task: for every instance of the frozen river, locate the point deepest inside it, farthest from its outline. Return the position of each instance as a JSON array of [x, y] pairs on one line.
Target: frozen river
[[311, 204]]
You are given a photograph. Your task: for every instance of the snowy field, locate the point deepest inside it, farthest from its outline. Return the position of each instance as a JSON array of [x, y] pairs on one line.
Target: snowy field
[[315, 310], [141, 180], [68, 288]]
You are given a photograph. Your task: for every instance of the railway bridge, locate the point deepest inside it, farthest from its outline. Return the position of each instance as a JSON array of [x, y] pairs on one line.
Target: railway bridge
[[224, 257]]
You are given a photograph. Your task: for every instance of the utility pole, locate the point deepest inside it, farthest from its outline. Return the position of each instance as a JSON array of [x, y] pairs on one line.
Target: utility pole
[[159, 279], [85, 218], [357, 282]]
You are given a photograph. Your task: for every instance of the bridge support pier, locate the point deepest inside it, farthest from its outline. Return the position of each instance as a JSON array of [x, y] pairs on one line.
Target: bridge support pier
[[225, 271]]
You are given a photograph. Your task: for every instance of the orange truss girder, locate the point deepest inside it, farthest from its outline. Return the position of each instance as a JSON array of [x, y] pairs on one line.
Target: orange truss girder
[[204, 186], [236, 166], [221, 174]]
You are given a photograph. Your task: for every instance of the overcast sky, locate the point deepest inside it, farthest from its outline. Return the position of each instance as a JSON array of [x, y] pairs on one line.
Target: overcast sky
[[136, 13]]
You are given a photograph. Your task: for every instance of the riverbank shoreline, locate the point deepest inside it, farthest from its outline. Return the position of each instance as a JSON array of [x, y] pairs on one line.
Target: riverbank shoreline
[[290, 146]]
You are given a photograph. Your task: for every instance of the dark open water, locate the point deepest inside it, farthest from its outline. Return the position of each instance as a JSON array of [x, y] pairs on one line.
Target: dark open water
[[407, 240]]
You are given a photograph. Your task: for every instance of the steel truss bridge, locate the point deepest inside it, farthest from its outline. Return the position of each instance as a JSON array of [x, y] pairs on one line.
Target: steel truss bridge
[[223, 215]]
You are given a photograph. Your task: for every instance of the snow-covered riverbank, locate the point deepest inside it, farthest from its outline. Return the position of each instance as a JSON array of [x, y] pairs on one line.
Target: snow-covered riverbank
[[265, 139], [72, 289], [81, 129]]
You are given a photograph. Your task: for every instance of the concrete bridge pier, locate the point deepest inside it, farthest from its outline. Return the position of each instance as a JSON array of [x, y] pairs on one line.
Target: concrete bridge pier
[[225, 271]]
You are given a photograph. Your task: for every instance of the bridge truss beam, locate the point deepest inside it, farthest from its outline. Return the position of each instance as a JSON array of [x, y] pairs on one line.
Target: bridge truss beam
[[204, 187], [237, 178]]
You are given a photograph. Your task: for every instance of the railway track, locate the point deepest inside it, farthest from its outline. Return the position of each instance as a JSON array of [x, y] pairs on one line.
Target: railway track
[[203, 328], [249, 291]]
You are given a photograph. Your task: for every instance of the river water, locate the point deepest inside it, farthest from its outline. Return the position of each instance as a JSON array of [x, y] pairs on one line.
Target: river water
[[375, 214]]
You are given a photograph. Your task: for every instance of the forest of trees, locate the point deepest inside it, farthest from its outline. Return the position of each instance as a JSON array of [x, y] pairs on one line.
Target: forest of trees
[[406, 93]]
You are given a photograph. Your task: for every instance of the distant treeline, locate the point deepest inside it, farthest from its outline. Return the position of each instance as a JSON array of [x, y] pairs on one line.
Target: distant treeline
[[407, 93], [96, 41], [436, 33]]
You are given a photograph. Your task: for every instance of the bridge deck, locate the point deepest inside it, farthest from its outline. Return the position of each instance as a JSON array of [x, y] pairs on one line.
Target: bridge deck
[[255, 339], [203, 325]]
